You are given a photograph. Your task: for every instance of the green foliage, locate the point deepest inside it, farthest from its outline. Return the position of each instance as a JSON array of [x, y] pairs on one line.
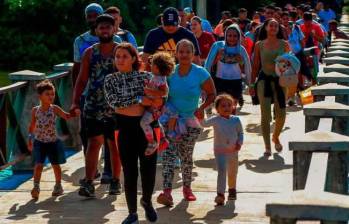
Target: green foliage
[[4, 80], [36, 34]]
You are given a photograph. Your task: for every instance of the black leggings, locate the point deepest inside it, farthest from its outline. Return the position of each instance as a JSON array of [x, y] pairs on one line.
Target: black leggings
[[231, 87], [132, 144]]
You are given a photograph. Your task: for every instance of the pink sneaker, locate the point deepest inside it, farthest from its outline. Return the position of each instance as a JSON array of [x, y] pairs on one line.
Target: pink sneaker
[[188, 194], [165, 198]]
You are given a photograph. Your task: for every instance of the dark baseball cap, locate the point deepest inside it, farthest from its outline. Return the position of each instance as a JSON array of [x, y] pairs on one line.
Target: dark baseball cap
[[105, 18], [170, 17]]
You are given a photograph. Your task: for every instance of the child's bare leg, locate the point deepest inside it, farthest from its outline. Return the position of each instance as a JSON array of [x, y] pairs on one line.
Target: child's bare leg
[[58, 173], [58, 189], [37, 172], [37, 176]]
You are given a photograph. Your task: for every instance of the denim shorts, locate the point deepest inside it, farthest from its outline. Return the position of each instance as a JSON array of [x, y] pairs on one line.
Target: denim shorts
[[54, 151]]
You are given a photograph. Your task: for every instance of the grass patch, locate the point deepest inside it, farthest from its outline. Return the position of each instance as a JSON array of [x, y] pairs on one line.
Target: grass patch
[[4, 80]]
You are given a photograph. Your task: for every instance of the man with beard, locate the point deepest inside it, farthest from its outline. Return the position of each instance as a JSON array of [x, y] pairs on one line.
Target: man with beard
[[81, 43], [96, 64], [87, 39]]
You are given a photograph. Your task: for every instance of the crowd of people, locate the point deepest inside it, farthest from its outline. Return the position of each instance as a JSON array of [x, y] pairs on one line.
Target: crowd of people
[[142, 106]]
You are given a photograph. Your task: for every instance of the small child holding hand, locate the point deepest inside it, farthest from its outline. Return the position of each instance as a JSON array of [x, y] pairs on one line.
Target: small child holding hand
[[43, 141], [228, 139]]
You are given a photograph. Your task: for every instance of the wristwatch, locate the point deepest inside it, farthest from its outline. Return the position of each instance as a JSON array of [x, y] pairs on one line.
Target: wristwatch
[[139, 99]]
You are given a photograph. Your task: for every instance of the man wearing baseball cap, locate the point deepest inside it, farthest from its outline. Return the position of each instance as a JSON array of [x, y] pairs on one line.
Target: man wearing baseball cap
[[165, 37], [206, 25], [87, 39], [81, 43], [97, 62]]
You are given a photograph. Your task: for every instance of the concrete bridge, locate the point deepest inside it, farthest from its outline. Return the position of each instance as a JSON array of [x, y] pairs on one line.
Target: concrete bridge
[[262, 182]]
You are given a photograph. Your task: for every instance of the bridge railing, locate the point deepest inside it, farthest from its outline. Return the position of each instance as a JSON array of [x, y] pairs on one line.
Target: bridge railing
[[320, 157], [16, 102]]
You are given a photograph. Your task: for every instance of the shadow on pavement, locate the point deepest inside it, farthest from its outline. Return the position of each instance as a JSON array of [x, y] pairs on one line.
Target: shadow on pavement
[[220, 214], [265, 165], [178, 214], [69, 208], [205, 135], [257, 129], [294, 109], [210, 163]]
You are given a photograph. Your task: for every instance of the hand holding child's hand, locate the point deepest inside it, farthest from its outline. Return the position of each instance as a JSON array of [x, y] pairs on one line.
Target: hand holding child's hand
[[74, 110], [74, 113]]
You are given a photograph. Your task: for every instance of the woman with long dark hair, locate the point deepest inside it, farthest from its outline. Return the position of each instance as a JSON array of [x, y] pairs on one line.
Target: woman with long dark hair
[[123, 90], [269, 91]]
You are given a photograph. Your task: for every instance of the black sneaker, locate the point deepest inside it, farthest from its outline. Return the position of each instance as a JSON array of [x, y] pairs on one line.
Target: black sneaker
[[105, 179], [81, 181], [241, 102], [87, 189], [131, 219], [150, 212], [232, 194], [115, 187]]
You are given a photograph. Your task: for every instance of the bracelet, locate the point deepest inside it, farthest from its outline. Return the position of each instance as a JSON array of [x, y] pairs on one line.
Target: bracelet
[[31, 136]]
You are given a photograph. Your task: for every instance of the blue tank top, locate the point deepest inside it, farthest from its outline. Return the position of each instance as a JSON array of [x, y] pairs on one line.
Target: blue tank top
[[96, 107]]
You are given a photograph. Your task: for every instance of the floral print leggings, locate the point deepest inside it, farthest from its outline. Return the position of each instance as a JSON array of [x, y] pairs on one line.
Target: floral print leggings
[[183, 148]]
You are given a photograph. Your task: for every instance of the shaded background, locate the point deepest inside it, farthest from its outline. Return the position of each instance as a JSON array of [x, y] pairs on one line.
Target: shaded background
[[36, 34]]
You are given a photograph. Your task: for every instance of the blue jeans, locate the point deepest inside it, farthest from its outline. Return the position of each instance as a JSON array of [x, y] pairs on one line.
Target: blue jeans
[[227, 165]]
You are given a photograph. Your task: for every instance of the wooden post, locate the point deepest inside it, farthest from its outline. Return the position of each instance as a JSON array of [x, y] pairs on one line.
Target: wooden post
[[311, 123], [337, 173], [340, 125], [301, 164]]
